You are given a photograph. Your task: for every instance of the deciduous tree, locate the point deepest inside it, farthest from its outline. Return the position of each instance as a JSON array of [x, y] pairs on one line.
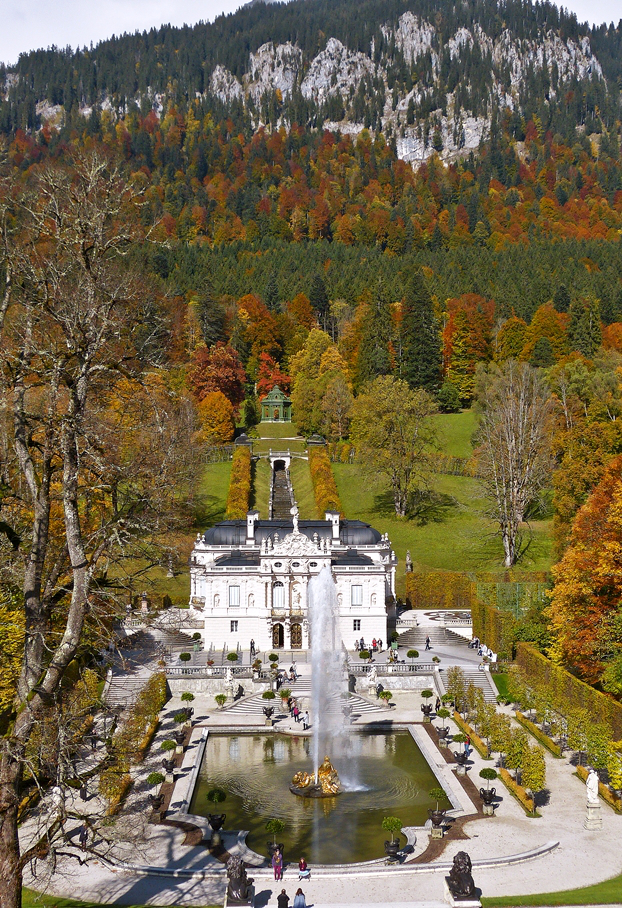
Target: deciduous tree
[[514, 447]]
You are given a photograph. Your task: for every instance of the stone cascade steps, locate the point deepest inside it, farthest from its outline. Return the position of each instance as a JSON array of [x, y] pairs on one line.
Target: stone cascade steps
[[282, 498], [414, 638], [480, 679], [300, 689], [124, 689]]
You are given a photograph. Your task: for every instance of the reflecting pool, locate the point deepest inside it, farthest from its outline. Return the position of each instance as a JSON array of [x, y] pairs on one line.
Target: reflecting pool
[[381, 775]]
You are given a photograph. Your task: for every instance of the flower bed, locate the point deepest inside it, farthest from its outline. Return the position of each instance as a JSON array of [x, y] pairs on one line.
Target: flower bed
[[538, 734], [480, 746], [517, 791]]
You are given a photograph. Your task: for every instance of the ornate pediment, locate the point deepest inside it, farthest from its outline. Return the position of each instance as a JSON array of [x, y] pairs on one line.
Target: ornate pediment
[[294, 544]]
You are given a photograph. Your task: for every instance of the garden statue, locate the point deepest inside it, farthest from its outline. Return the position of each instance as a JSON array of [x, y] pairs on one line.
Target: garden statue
[[409, 563], [591, 785], [460, 879], [238, 889], [327, 784]]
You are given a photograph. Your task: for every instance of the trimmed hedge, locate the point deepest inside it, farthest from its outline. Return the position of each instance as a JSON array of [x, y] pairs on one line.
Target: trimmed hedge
[[479, 745], [324, 487], [239, 495], [440, 589], [519, 793], [568, 692], [603, 790], [494, 627], [538, 734]]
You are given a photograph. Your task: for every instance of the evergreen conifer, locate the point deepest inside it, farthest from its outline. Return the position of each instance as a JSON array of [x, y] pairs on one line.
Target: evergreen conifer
[[421, 338]]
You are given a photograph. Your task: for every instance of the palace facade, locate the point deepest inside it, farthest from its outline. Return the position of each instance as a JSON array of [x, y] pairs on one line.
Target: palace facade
[[250, 579]]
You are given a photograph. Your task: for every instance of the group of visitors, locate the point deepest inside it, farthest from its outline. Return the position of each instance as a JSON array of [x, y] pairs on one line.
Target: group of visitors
[[482, 650], [304, 873], [297, 714], [375, 646]]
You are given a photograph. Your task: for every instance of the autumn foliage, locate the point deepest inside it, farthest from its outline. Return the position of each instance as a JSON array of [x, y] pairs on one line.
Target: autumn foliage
[[216, 416], [218, 369], [324, 487], [238, 497]]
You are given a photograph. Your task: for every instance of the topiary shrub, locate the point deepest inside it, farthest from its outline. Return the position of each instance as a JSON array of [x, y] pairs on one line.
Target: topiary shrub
[[385, 695], [489, 774], [187, 697], [220, 699], [392, 825], [168, 745], [268, 695], [155, 778], [273, 658], [412, 654], [232, 657], [275, 827], [185, 657]]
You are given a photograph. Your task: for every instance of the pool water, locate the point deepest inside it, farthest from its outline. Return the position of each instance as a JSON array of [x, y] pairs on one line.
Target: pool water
[[381, 774]]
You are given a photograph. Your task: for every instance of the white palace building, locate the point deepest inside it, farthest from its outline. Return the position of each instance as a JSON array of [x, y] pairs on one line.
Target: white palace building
[[249, 580]]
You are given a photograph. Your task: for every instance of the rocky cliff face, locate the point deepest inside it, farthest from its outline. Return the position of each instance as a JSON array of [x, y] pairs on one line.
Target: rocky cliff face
[[508, 63]]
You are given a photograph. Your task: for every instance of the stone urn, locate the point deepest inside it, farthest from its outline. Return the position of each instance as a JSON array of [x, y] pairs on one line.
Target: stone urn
[[391, 849], [268, 711], [169, 767], [155, 801], [217, 820], [426, 709], [461, 759], [488, 795], [437, 819]]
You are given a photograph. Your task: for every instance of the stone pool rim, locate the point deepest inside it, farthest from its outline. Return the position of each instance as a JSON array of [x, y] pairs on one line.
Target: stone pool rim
[[184, 785]]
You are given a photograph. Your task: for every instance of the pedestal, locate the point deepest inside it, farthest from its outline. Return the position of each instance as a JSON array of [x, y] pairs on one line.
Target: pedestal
[[426, 720], [488, 810], [461, 770], [463, 903], [437, 832], [593, 820]]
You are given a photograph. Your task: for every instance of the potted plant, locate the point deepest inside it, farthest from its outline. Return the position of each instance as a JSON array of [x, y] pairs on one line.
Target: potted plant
[[168, 763], [153, 780], [364, 654], [285, 693], [460, 756], [275, 827], [435, 659], [256, 668], [185, 657], [268, 695], [216, 796], [220, 699], [273, 658], [412, 654], [488, 794], [392, 825], [187, 697], [437, 816], [385, 695], [443, 730], [426, 708]]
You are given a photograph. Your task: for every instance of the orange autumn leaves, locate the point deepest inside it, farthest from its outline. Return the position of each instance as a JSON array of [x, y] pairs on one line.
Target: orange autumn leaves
[[585, 603]]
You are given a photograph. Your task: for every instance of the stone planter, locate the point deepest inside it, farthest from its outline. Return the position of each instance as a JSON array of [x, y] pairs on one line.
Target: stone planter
[[391, 849]]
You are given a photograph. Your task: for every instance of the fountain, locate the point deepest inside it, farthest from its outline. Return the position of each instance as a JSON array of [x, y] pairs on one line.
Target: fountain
[[327, 674]]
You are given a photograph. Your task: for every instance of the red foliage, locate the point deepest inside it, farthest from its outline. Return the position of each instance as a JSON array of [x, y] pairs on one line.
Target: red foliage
[[218, 369], [269, 375]]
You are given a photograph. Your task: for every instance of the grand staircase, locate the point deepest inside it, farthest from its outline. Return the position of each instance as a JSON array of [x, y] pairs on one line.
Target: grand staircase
[[414, 637], [301, 690], [282, 497]]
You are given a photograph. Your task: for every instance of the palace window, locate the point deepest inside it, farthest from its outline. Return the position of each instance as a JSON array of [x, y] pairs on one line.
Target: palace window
[[357, 624], [356, 595], [234, 627], [234, 595], [278, 595]]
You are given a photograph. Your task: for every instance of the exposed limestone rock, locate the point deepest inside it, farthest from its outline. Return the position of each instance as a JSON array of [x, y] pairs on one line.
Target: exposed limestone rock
[[335, 69], [224, 85], [274, 68]]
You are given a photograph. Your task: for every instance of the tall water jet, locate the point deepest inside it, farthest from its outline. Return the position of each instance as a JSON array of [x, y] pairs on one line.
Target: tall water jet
[[327, 666]]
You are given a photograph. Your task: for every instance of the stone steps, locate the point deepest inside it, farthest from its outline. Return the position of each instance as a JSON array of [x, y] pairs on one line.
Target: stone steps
[[415, 637]]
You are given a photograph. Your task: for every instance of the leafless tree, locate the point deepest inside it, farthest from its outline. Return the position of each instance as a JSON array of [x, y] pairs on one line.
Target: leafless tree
[[514, 439], [90, 468]]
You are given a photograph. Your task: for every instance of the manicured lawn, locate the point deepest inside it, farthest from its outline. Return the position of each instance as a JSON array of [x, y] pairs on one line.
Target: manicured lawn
[[501, 683], [455, 432], [452, 533], [303, 489], [32, 899], [607, 893], [261, 487], [211, 499]]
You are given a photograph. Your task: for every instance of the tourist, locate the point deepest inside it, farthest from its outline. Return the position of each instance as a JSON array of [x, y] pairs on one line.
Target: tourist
[[283, 900], [374, 645], [361, 644], [83, 836], [467, 745], [277, 865], [356, 646], [294, 669], [296, 713], [305, 721], [379, 645], [252, 648], [437, 705], [84, 792], [292, 676], [299, 899], [427, 643], [303, 870]]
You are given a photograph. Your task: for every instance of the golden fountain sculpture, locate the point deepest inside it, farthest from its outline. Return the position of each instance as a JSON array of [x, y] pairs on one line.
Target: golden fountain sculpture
[[327, 784]]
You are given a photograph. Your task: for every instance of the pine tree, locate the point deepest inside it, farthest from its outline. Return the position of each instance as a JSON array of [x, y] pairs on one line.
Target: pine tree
[[318, 297], [561, 299], [584, 329], [421, 338], [271, 293], [376, 329]]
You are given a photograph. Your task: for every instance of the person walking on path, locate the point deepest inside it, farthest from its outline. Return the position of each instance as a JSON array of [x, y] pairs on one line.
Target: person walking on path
[[437, 705], [299, 899], [283, 899], [83, 836], [305, 721], [467, 745], [277, 865], [84, 792], [252, 648], [427, 643]]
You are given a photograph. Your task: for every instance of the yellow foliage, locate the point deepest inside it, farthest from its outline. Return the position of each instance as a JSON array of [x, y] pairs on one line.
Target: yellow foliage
[[11, 646], [217, 419]]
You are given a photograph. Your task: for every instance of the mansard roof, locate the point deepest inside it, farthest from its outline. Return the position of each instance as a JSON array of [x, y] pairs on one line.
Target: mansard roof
[[233, 532]]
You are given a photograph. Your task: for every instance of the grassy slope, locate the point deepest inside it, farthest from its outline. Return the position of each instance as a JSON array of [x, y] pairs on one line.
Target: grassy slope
[[453, 534], [261, 487], [32, 899], [303, 489], [608, 892]]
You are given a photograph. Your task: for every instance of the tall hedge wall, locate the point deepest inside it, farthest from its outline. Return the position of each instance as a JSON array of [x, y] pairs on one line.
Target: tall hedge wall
[[568, 692], [495, 628], [440, 589], [239, 496], [324, 487]]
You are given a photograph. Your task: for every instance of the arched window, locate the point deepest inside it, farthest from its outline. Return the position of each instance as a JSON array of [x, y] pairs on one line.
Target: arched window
[[278, 595]]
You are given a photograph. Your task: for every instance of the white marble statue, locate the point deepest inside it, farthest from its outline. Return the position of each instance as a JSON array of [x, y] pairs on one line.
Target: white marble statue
[[591, 785]]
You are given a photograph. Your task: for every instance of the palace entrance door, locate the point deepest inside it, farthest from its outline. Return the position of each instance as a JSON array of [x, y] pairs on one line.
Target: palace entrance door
[[296, 635], [278, 636]]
